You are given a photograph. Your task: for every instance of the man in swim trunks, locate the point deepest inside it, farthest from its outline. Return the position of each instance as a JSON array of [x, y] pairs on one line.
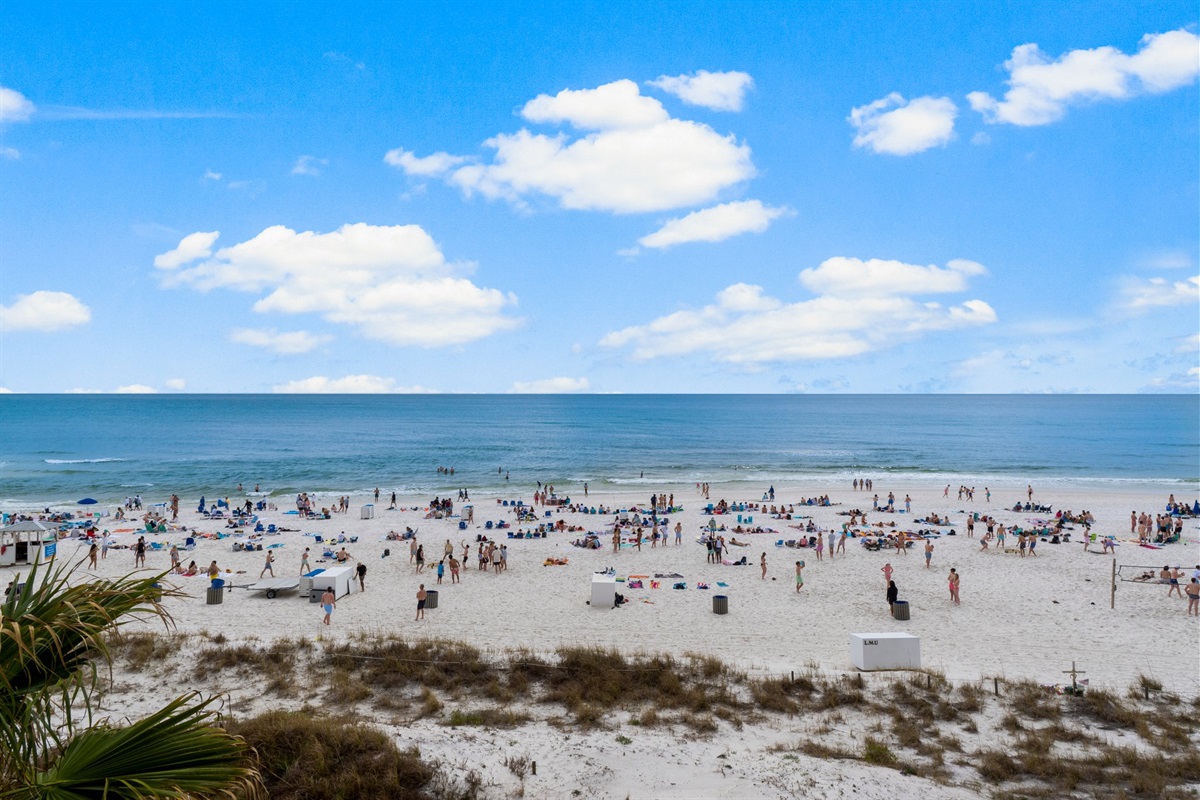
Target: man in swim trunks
[[928, 552], [421, 595], [678, 533], [328, 603], [799, 576], [1193, 596]]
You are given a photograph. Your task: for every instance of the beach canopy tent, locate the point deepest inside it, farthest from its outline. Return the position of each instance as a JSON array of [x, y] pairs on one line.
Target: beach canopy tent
[[27, 542]]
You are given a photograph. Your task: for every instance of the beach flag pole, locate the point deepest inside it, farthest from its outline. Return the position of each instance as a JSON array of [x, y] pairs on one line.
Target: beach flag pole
[[1112, 598]]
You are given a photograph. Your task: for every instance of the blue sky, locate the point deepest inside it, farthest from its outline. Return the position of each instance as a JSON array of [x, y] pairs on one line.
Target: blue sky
[[605, 197]]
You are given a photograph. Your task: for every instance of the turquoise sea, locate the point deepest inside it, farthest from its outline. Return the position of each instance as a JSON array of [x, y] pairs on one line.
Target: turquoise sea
[[58, 449]]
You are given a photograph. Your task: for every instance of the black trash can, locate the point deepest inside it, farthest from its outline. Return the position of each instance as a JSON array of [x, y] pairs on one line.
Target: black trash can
[[216, 595], [900, 609], [720, 604], [431, 598]]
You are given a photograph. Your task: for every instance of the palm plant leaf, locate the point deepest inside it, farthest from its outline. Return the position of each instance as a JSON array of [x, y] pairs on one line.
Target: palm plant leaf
[[177, 752]]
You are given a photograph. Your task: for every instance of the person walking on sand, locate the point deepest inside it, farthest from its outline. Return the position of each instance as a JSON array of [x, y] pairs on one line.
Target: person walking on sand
[[269, 566], [412, 550], [799, 576], [441, 570], [892, 594], [139, 552], [94, 551], [454, 567], [360, 572], [887, 573], [616, 538], [328, 603], [954, 581], [421, 595], [928, 552], [305, 568], [763, 562], [820, 545], [841, 548], [420, 558]]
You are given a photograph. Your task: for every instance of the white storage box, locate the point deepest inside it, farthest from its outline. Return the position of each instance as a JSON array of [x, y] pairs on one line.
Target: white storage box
[[870, 651], [368, 511], [604, 591], [336, 578]]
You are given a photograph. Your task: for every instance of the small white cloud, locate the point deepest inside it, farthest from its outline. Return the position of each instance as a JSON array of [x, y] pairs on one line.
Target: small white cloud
[[309, 165], [715, 224], [176, 384], [191, 247], [898, 127], [11, 153], [863, 306], [209, 175], [44, 311], [390, 282], [720, 91], [14, 106], [351, 384], [614, 105], [1041, 89], [981, 138], [1188, 344], [1168, 259], [427, 167], [287, 343], [135, 388], [1139, 295], [877, 277], [6, 390], [551, 386]]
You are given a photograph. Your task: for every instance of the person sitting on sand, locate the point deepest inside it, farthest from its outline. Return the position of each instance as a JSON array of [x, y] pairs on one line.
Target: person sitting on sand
[[343, 556], [191, 570], [213, 570]]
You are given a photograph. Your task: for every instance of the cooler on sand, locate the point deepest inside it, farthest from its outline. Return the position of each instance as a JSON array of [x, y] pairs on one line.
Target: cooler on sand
[[368, 511], [604, 591], [870, 651]]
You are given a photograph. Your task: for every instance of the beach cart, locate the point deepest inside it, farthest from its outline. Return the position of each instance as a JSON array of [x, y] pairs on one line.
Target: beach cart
[[273, 586], [335, 578]]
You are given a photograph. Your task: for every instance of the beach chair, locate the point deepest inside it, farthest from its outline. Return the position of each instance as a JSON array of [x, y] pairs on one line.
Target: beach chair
[[318, 539], [190, 544], [488, 525]]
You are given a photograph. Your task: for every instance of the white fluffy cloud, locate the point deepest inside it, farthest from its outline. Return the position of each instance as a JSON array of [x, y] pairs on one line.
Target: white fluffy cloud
[[390, 282], [1138, 294], [1040, 89], [879, 278], [176, 384], [285, 343], [715, 224], [720, 91], [135, 388], [11, 153], [635, 158], [191, 247], [351, 384], [44, 311], [552, 386], [14, 106], [309, 165], [853, 315], [900, 127]]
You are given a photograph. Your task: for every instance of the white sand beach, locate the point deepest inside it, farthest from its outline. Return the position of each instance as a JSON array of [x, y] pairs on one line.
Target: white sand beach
[[1019, 618]]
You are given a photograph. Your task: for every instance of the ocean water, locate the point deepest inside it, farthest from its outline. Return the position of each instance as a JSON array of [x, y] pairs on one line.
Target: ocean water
[[57, 449]]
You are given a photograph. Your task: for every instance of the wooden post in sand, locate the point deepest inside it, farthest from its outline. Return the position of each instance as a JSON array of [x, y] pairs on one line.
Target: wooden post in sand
[[1112, 598]]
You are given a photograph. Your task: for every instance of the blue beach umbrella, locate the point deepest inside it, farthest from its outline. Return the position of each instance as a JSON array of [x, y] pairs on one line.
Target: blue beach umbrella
[[87, 501]]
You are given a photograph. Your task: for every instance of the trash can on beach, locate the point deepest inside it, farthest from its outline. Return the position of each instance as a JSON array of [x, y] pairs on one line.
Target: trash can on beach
[[900, 609], [215, 595], [720, 604], [431, 598]]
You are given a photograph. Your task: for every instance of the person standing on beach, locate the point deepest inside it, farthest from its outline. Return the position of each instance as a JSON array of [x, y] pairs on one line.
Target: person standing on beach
[[412, 550], [946, 493], [616, 538], [763, 562], [928, 552], [441, 570], [902, 543], [420, 558], [954, 581], [907, 504], [466, 558], [328, 603], [970, 526], [93, 551], [495, 551], [887, 573], [454, 566], [421, 596], [1029, 492], [638, 542], [678, 533], [820, 545], [269, 566], [1193, 596], [1033, 540], [504, 558], [893, 593], [139, 553], [304, 566], [799, 576], [1000, 538], [105, 543]]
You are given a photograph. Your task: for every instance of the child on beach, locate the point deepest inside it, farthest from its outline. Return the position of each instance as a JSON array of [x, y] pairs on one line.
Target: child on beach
[[799, 576], [953, 581], [441, 570], [887, 573], [763, 562], [328, 603]]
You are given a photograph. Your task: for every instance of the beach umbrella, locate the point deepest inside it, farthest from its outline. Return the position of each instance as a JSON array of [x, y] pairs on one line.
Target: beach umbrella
[[87, 501]]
